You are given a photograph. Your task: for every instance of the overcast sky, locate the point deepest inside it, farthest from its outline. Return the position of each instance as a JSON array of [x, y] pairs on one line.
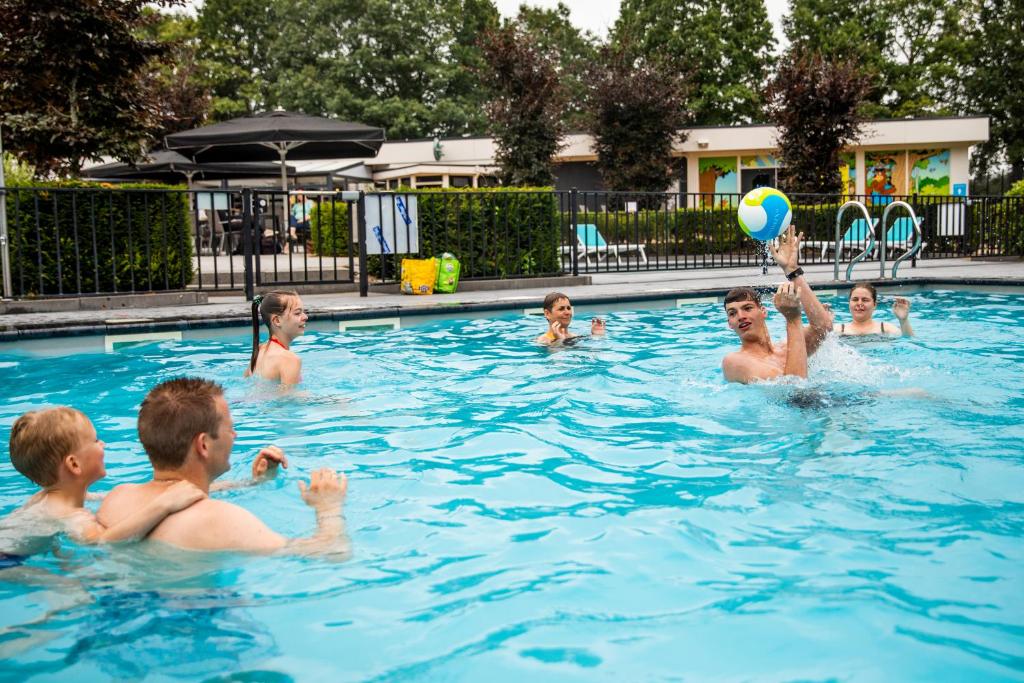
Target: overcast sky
[[599, 15]]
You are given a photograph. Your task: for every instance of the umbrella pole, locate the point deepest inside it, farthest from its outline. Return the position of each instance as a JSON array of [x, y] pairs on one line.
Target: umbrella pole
[[284, 169]]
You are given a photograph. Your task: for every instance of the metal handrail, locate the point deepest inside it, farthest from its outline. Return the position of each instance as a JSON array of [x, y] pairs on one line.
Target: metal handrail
[[871, 238], [912, 252]]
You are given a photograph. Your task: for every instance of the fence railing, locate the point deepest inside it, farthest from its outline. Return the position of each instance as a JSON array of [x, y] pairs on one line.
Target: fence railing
[[76, 241]]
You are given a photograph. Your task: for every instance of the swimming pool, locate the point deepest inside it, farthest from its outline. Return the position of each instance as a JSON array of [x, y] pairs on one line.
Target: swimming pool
[[610, 511]]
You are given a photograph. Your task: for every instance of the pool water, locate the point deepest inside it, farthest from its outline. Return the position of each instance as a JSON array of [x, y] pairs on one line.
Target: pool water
[[613, 511]]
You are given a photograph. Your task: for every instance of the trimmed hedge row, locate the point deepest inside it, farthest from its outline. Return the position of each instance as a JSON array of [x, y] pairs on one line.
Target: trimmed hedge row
[[97, 239], [494, 232]]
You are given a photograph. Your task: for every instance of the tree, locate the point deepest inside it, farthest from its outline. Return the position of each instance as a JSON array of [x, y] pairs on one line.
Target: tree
[[726, 46], [814, 102], [637, 110], [995, 40], [912, 47], [552, 31], [409, 67], [526, 107], [181, 98], [71, 80], [238, 51]]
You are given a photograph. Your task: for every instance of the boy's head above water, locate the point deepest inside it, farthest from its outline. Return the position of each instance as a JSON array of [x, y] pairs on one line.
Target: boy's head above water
[[49, 445], [558, 307]]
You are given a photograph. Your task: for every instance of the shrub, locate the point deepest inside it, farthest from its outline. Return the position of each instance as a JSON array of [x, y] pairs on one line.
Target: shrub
[[71, 237], [494, 232], [329, 228]]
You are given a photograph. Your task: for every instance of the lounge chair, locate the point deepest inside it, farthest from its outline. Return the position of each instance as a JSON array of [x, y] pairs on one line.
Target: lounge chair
[[590, 242], [856, 236], [900, 235]]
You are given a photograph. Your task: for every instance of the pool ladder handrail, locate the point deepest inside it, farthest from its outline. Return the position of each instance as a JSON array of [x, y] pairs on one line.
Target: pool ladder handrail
[[871, 238], [912, 252]]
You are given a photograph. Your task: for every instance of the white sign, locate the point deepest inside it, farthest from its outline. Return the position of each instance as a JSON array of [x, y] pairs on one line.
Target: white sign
[[391, 224]]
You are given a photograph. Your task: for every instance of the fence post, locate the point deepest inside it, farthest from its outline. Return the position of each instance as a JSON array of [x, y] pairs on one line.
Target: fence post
[[364, 275], [5, 254], [247, 231], [573, 216]]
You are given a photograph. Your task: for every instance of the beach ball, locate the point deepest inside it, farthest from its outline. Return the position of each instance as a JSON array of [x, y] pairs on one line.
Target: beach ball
[[764, 213]]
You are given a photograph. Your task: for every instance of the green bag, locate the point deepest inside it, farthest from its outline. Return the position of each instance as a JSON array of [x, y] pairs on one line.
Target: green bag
[[448, 268]]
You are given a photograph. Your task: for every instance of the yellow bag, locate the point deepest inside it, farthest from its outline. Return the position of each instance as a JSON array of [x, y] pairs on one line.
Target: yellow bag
[[419, 275]]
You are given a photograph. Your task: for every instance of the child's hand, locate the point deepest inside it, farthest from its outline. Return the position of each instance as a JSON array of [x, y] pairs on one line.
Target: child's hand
[[558, 332], [597, 327], [180, 495], [267, 461]]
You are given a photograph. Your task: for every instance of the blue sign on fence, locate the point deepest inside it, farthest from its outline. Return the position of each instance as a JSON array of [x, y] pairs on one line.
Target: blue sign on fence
[[959, 189]]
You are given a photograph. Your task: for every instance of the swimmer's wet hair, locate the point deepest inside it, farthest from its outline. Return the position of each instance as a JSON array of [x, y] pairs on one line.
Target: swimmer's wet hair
[[742, 294], [264, 306], [865, 285], [550, 299], [41, 439], [172, 414]]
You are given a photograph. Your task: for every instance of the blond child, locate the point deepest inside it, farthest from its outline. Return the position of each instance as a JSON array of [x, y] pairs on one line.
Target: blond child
[[58, 449]]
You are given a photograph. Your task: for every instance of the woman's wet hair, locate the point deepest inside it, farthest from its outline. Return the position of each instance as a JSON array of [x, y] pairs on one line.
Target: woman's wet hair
[[552, 298], [868, 286], [266, 306]]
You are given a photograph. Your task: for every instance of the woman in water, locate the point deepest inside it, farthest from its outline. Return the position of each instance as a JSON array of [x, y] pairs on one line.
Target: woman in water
[[863, 301], [285, 319]]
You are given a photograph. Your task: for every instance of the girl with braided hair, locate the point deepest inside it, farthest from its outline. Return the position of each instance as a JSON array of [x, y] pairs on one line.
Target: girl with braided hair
[[285, 319]]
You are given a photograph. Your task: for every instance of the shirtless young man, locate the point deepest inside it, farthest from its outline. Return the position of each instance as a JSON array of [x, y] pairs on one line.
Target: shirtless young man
[[758, 358], [186, 428]]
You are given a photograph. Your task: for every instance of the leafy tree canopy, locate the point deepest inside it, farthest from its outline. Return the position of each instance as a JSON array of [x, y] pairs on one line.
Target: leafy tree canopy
[[814, 102], [526, 107], [72, 80], [637, 109], [725, 47]]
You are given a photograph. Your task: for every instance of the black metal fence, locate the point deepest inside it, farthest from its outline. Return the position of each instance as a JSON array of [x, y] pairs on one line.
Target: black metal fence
[[74, 241]]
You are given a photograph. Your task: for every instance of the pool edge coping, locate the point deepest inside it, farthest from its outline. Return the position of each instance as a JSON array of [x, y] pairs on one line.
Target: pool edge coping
[[91, 328]]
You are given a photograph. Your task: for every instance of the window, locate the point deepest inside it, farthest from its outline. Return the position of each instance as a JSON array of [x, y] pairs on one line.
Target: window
[[460, 181]]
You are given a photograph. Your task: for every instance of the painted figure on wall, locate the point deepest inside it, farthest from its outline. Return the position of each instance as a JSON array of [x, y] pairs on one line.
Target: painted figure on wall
[[848, 174], [717, 176], [885, 175], [929, 171]]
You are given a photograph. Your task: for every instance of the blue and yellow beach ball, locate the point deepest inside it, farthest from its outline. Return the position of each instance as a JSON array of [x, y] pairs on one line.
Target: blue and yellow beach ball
[[764, 213]]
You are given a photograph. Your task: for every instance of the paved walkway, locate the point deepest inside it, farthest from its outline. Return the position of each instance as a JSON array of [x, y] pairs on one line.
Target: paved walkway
[[605, 287]]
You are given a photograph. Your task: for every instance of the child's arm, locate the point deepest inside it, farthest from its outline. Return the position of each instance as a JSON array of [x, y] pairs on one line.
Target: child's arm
[[178, 496], [263, 467]]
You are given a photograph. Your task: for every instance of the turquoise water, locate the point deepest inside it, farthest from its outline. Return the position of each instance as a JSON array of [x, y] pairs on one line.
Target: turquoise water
[[612, 511]]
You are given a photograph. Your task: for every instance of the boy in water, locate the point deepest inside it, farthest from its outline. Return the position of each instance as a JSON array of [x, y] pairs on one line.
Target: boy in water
[[558, 311], [759, 357], [58, 449]]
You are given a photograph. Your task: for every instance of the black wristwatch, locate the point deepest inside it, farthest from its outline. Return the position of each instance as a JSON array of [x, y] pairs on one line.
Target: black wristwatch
[[795, 274]]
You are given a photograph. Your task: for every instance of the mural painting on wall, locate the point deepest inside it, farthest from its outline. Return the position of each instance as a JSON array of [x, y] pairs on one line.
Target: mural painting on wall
[[929, 171], [759, 161], [848, 173], [885, 175], [717, 176]]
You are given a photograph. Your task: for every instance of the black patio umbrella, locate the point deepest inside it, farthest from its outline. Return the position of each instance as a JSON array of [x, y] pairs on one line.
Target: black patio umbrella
[[277, 135], [166, 166]]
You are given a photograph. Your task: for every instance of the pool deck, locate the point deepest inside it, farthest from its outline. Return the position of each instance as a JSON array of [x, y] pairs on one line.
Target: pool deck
[[604, 288]]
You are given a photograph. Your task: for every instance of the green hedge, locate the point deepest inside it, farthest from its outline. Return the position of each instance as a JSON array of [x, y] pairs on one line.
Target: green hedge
[[143, 240], [494, 232], [329, 228]]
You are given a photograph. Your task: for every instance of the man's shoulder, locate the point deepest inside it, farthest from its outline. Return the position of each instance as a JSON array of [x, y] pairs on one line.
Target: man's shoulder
[[212, 524]]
